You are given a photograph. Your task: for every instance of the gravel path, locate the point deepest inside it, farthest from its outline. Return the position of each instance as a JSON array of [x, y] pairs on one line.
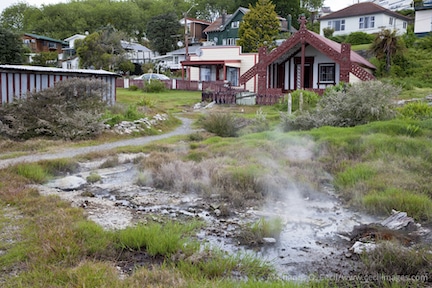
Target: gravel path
[[185, 128]]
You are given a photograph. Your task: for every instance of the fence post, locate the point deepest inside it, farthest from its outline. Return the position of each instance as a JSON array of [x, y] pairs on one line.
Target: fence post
[[289, 103], [301, 101]]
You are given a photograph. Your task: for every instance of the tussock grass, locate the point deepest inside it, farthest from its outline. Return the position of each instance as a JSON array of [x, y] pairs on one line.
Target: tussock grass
[[392, 259], [59, 166], [32, 171], [110, 162], [216, 264], [418, 205], [93, 177], [157, 239], [253, 234]]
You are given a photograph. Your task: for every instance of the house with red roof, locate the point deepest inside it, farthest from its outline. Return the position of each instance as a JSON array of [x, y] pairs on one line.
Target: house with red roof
[[364, 17]]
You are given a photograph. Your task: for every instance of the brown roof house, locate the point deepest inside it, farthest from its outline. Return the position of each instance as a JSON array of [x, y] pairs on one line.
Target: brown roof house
[[364, 17]]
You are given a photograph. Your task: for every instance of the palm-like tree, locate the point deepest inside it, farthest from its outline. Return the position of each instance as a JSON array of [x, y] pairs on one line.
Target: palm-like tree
[[385, 45]]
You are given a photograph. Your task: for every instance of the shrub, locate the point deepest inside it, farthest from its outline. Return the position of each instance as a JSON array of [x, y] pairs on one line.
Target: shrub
[[133, 88], [70, 110], [154, 86], [358, 38], [358, 104], [222, 124]]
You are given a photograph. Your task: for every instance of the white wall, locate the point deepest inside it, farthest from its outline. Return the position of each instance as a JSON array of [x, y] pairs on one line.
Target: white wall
[[234, 58], [382, 21], [423, 21]]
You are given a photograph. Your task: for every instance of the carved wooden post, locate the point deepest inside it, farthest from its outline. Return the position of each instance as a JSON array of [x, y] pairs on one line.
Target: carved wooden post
[[345, 65]]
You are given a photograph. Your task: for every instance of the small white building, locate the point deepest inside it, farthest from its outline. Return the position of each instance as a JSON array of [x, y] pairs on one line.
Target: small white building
[[364, 17], [17, 81], [423, 19]]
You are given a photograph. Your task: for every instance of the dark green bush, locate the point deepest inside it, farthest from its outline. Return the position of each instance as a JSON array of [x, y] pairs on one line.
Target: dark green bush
[[154, 86], [358, 38], [133, 88]]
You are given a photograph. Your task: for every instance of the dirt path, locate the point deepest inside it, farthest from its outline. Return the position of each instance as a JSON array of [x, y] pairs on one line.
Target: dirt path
[[183, 129]]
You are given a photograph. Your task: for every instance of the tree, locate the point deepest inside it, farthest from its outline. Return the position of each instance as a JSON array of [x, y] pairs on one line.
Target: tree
[[160, 30], [385, 45], [102, 50], [260, 27], [11, 48], [13, 17]]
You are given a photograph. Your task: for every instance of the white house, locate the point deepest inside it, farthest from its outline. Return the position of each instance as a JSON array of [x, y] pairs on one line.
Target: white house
[[136, 53], [69, 59], [364, 17], [172, 60], [423, 18]]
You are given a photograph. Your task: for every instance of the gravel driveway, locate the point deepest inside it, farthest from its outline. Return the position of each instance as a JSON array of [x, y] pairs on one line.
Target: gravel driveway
[[185, 128]]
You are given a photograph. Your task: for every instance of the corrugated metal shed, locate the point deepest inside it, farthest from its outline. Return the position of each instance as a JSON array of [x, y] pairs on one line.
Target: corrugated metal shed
[[16, 81]]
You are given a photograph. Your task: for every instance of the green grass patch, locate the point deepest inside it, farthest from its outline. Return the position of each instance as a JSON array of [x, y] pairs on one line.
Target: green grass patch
[[418, 206], [32, 171], [158, 239]]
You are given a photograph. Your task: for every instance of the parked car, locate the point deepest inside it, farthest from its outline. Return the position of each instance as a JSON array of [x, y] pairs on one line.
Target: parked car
[[152, 76]]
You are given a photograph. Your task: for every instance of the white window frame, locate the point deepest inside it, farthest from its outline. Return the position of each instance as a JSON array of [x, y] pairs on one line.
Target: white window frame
[[235, 24], [337, 25], [366, 22], [323, 70]]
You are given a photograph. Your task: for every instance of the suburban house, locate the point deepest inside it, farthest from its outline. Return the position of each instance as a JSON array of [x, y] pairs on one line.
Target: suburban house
[[17, 81], [221, 64], [423, 18], [224, 30], [172, 60], [306, 60], [364, 17], [38, 43], [136, 53], [194, 30], [69, 59]]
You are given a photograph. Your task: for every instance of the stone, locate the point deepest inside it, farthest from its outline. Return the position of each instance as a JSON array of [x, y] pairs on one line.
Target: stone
[[68, 183]]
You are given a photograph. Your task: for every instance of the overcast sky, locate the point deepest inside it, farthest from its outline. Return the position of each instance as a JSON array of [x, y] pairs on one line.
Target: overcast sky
[[333, 4]]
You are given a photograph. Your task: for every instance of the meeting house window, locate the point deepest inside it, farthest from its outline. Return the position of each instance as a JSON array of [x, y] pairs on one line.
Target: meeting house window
[[327, 73]]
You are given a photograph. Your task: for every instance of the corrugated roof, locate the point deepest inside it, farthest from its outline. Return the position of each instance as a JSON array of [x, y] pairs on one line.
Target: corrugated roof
[[55, 70], [359, 9], [45, 38]]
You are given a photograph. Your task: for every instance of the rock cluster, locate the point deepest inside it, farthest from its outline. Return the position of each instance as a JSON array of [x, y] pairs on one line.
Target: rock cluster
[[137, 126]]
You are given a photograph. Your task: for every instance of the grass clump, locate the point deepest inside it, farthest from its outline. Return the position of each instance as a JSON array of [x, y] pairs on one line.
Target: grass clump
[[255, 233], [93, 177], [418, 206], [391, 259], [157, 239], [32, 171]]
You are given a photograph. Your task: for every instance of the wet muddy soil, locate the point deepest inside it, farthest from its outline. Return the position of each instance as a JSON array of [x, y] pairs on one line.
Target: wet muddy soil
[[311, 243]]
